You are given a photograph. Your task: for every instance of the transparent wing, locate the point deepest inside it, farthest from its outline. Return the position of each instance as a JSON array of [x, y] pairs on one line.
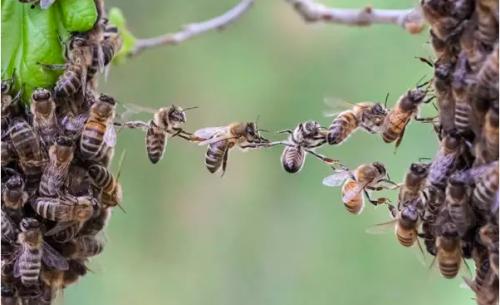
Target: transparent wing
[[45, 4], [110, 135], [337, 178], [53, 259], [382, 228], [60, 226], [133, 109], [352, 193], [209, 132], [335, 106], [100, 58], [17, 270]]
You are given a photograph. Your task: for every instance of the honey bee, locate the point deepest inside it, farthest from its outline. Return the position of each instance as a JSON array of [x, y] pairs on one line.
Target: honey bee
[[8, 101], [443, 68], [487, 24], [457, 203], [487, 146], [44, 4], [459, 90], [14, 195], [9, 295], [485, 192], [449, 252], [445, 161], [414, 183], [83, 247], [43, 109], [66, 210], [367, 116], [303, 139], [111, 189], [405, 109], [488, 235], [33, 251], [72, 125], [485, 282], [99, 129], [166, 123], [365, 177], [111, 43], [56, 280], [486, 83], [221, 139], [446, 17], [55, 173]]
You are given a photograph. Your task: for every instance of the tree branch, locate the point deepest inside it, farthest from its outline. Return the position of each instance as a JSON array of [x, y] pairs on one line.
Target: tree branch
[[194, 29], [409, 19]]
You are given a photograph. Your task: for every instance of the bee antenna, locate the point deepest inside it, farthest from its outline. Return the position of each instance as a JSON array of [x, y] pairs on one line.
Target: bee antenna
[[263, 130], [424, 158], [120, 163], [190, 108], [386, 99]]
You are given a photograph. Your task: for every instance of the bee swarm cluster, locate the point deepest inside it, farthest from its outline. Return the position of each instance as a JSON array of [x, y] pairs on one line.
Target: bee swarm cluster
[[57, 190]]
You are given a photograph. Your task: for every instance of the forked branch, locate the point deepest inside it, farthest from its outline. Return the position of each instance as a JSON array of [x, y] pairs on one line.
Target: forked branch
[[409, 19], [194, 29]]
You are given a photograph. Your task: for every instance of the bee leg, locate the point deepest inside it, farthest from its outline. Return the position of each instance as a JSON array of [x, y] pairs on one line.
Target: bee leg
[[425, 120], [322, 158], [53, 67], [381, 200], [285, 131], [398, 142], [224, 162], [392, 210]]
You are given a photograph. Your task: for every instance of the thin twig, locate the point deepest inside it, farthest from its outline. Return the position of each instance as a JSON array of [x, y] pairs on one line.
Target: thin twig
[[409, 19], [194, 29]]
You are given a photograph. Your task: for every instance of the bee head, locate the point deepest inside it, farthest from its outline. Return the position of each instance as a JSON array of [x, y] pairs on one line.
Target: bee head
[[310, 128], [488, 233], [176, 115], [251, 131], [409, 212], [15, 182], [63, 149], [104, 107], [94, 171], [42, 102], [380, 168], [452, 141], [5, 87], [29, 224], [378, 109], [78, 41], [419, 169]]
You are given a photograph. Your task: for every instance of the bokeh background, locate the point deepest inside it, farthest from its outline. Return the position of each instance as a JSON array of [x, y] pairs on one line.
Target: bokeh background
[[259, 235]]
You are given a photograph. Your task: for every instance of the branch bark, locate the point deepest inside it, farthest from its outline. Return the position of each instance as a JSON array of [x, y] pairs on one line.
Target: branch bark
[[409, 19], [194, 29]]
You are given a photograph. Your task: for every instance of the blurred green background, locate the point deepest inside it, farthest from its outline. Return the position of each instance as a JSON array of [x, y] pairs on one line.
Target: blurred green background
[[259, 235]]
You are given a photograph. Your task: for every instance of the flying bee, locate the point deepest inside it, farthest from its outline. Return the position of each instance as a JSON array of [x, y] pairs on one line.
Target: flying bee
[[365, 177], [55, 173], [413, 183], [66, 210], [221, 139], [304, 139], [445, 161], [367, 116], [14, 195], [44, 4], [405, 109], [167, 122], [446, 18], [449, 251], [83, 247], [99, 129], [43, 109], [488, 235], [457, 203], [33, 251]]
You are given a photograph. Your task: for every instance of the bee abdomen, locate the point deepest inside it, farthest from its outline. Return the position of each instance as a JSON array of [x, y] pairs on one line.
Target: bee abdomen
[[68, 83], [293, 158], [215, 155], [29, 267], [155, 144], [45, 208], [462, 112], [485, 192], [92, 138], [356, 204], [342, 127], [407, 240], [449, 269]]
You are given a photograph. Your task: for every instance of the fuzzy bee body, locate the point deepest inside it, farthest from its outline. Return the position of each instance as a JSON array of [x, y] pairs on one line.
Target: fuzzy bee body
[[486, 188], [293, 158], [449, 252], [43, 109], [85, 246], [111, 189], [14, 195], [156, 142], [54, 175]]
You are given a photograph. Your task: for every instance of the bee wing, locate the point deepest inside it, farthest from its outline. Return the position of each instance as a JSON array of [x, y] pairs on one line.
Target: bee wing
[[335, 106], [100, 58], [110, 135], [381, 228], [60, 226], [350, 194], [45, 4], [133, 109], [17, 269], [337, 178], [53, 259], [208, 133]]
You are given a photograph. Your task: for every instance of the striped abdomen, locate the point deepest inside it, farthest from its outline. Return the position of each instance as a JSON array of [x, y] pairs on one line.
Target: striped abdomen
[[25, 141], [30, 263], [69, 82], [394, 124], [449, 263], [156, 141], [215, 155], [101, 176], [52, 180], [293, 158], [356, 204], [462, 115], [406, 237], [92, 138], [51, 209], [485, 191], [342, 127]]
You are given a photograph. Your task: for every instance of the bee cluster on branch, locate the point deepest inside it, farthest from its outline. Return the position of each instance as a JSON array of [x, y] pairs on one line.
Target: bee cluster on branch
[[58, 191], [57, 188]]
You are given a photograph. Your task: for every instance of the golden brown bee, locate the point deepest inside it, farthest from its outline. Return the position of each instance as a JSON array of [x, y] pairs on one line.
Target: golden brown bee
[[413, 183], [449, 251], [44, 4], [488, 235], [111, 189], [457, 203], [99, 129], [446, 17], [43, 109], [55, 173], [445, 161], [221, 139], [304, 139], [14, 195], [365, 177], [83, 247], [66, 210], [405, 109], [33, 251], [367, 116]]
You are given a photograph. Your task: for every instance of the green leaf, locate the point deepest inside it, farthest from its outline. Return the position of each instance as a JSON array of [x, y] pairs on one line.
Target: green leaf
[[31, 36], [117, 19]]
